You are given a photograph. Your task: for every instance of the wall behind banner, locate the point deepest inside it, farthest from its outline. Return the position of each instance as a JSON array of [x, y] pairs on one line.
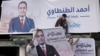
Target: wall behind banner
[[82, 14]]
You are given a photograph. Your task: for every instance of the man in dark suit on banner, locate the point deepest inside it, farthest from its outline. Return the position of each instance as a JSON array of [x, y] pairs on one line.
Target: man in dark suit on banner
[[42, 48], [21, 23]]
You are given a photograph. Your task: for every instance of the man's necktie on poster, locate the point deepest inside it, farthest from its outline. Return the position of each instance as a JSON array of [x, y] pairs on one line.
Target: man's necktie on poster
[[22, 24], [43, 49]]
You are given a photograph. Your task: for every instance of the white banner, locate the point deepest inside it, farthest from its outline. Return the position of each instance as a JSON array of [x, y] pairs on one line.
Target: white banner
[[82, 15], [85, 47], [56, 37]]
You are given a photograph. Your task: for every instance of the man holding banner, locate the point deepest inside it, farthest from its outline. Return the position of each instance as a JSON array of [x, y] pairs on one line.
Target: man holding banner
[[62, 22]]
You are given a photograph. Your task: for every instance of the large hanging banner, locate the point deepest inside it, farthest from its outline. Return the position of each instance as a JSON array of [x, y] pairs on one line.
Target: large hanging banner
[[84, 47], [82, 15]]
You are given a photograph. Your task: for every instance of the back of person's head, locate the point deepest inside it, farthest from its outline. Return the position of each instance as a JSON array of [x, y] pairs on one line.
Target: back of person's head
[[29, 40], [64, 15]]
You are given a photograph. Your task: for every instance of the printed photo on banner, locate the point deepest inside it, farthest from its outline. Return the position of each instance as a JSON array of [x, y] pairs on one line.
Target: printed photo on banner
[[48, 42], [17, 16]]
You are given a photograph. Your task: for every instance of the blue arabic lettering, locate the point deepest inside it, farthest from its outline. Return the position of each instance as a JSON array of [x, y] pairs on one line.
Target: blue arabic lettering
[[83, 9], [50, 12], [67, 10], [60, 10], [73, 25]]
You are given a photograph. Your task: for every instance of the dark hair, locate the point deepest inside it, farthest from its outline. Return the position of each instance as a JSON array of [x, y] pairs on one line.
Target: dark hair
[[22, 2], [64, 15], [28, 40], [38, 31]]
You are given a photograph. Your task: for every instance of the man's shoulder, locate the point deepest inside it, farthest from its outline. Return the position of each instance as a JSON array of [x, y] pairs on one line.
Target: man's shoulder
[[37, 45], [28, 46], [46, 45], [15, 18], [59, 19], [49, 45], [29, 18]]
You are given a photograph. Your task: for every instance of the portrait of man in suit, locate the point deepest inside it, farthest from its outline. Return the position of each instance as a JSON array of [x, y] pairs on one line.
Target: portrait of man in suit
[[44, 49], [21, 23]]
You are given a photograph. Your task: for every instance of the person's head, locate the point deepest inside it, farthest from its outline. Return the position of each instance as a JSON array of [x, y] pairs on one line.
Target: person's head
[[64, 16], [22, 8], [30, 41], [71, 40], [40, 37]]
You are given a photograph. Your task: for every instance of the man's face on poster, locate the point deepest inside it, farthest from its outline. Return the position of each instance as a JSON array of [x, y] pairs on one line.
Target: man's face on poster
[[22, 9], [40, 38]]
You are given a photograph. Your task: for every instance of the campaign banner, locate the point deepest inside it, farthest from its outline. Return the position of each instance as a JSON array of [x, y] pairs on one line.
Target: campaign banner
[[18, 16], [84, 47], [81, 18], [82, 15], [57, 38], [53, 39]]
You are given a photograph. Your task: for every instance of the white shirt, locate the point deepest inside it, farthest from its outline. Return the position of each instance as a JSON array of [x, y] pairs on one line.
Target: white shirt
[[22, 19], [43, 46], [28, 48], [31, 51]]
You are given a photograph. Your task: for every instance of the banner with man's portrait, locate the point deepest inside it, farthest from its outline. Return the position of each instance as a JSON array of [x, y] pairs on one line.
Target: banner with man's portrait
[[82, 16], [18, 16], [49, 42]]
